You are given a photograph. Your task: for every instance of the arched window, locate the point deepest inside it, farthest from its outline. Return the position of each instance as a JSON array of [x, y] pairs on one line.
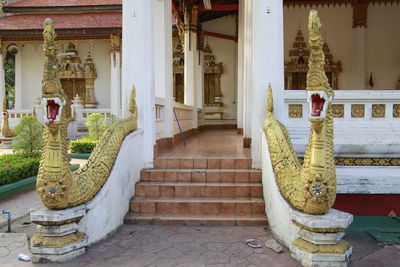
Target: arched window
[[9, 70]]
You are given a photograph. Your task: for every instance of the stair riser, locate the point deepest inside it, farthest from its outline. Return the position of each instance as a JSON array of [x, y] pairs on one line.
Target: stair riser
[[176, 163], [161, 221], [217, 191], [197, 208], [210, 176]]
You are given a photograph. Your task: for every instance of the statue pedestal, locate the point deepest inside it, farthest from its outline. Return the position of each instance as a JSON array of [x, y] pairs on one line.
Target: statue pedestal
[[5, 142], [57, 238], [319, 242]]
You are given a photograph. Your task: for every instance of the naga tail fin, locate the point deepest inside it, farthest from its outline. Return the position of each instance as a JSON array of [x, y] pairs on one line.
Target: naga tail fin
[[270, 102]]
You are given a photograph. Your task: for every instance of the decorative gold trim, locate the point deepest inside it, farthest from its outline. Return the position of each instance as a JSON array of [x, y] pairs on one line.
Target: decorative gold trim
[[338, 110], [357, 110], [38, 240], [378, 110], [319, 230], [58, 223], [396, 110], [295, 111], [340, 248], [364, 161]]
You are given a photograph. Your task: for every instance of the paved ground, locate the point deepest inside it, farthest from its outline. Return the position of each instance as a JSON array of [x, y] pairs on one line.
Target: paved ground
[[156, 245]]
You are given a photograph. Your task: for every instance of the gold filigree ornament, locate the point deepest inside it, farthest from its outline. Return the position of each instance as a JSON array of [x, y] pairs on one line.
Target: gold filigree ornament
[[56, 185], [357, 111], [310, 188], [396, 110], [5, 126], [378, 110], [295, 111]]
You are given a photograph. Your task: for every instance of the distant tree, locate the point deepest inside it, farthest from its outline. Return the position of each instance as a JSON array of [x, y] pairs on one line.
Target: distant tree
[[96, 124], [28, 137]]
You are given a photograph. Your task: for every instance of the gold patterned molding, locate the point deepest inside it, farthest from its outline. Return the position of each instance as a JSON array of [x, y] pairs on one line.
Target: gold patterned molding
[[357, 110], [338, 110], [378, 110], [295, 111], [364, 161], [35, 43], [396, 110]]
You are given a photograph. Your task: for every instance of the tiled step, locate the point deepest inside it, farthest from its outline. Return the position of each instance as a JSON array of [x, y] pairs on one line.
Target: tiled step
[[216, 190], [196, 220], [197, 206], [202, 175], [202, 163]]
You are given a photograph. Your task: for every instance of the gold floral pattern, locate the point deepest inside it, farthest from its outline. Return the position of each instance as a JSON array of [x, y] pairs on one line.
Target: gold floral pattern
[[378, 110], [396, 111], [338, 110], [295, 111], [357, 110]]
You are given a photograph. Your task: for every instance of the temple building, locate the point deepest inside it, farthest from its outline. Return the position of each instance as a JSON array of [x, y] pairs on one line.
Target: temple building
[[202, 65]]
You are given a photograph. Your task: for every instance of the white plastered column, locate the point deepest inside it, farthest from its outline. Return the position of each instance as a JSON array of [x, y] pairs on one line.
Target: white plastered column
[[240, 69], [18, 80], [163, 61], [189, 74], [116, 83], [138, 70], [247, 68], [2, 79], [267, 67]]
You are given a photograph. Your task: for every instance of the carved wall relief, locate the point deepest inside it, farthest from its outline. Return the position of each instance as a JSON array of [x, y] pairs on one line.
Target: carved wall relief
[[357, 110], [338, 110], [295, 111], [77, 78], [378, 110], [296, 68], [212, 85], [396, 110], [178, 71]]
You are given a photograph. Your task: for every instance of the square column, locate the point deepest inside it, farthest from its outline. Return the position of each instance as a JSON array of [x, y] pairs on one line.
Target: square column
[[240, 69], [138, 70], [18, 80], [267, 67], [163, 62], [189, 73]]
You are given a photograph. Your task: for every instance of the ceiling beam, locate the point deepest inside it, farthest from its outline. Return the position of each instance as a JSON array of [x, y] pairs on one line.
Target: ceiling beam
[[220, 35], [220, 7]]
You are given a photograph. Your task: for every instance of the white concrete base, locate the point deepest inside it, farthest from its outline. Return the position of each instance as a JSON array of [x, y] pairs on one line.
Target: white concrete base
[[103, 214], [57, 230], [43, 258], [288, 224], [321, 260], [5, 143], [58, 251]]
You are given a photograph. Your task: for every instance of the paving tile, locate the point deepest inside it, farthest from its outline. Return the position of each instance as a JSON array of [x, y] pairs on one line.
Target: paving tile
[[182, 191], [160, 163], [242, 191], [164, 208], [213, 176], [214, 164], [243, 209], [256, 191], [212, 192], [184, 177], [198, 177], [227, 191], [242, 163], [255, 177], [197, 191], [241, 177], [180, 208], [148, 207], [228, 208], [156, 176], [152, 190], [167, 191], [170, 176], [227, 177], [186, 164], [173, 163], [227, 163]]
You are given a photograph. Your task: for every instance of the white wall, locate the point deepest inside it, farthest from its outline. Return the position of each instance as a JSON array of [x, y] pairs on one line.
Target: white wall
[[383, 39], [225, 51], [383, 45], [32, 72]]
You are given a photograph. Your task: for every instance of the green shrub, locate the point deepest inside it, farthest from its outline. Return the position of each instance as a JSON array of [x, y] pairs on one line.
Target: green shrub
[[85, 144], [96, 124], [28, 137], [15, 167]]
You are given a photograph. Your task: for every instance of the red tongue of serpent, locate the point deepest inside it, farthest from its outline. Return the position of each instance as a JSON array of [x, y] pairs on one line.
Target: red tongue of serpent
[[317, 105], [52, 110]]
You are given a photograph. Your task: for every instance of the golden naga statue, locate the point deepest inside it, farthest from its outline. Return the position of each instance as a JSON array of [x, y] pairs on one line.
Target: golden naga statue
[[310, 188], [56, 185], [5, 127]]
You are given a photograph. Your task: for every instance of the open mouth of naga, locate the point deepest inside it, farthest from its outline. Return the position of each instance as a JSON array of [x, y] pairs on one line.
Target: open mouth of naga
[[318, 101], [53, 107]]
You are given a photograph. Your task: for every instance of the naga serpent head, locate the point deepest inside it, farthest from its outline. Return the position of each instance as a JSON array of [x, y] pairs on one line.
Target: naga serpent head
[[319, 92], [53, 96]]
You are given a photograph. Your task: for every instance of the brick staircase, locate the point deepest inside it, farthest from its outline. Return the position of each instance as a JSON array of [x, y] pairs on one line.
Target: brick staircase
[[207, 191]]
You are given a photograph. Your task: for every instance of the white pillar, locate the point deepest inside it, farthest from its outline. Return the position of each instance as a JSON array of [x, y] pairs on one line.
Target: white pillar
[[18, 80], [2, 79], [247, 72], [190, 61], [268, 66], [116, 83], [359, 53], [199, 79], [163, 61], [240, 69], [138, 70]]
